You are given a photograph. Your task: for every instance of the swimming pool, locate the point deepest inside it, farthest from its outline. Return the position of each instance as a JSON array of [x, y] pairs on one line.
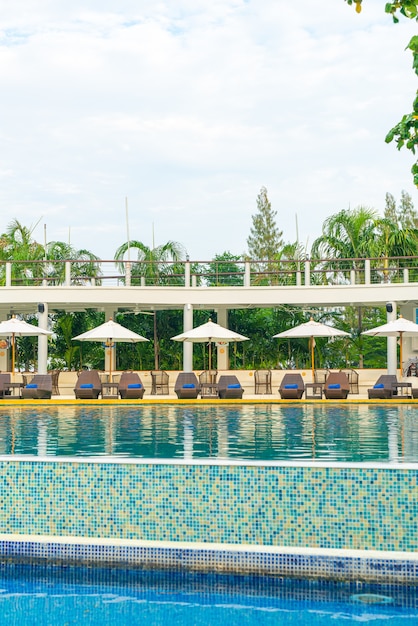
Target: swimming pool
[[352, 433], [124, 597]]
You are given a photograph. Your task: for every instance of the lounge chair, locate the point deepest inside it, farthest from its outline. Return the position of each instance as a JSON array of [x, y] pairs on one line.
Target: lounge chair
[[292, 387], [159, 379], [187, 386], [384, 387], [337, 386], [262, 381], [4, 381], [320, 376], [229, 387], [39, 388], [88, 385], [208, 384], [353, 378], [130, 386]]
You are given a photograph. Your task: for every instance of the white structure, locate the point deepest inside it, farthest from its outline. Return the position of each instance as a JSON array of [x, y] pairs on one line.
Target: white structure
[[115, 293]]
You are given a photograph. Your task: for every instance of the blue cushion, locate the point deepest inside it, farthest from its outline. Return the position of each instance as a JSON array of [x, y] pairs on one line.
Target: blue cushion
[[87, 386], [292, 386], [336, 386], [189, 386], [234, 386], [31, 386], [379, 386], [135, 386]]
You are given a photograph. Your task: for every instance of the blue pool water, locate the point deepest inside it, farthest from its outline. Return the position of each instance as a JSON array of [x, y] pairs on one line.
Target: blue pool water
[[386, 433], [56, 596]]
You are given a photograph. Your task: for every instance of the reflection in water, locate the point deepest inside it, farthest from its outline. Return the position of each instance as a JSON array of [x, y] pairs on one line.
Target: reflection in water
[[188, 434], [260, 432]]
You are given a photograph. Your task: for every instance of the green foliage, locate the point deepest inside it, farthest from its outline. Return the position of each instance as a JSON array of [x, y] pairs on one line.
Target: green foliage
[[225, 270], [72, 355], [405, 133], [157, 266]]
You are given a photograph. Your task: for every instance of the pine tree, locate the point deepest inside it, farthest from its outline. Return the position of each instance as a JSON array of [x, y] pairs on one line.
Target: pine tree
[[265, 241], [404, 215], [390, 208], [408, 217]]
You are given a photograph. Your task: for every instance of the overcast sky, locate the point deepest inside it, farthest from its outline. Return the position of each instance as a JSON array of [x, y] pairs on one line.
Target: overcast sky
[[187, 108]]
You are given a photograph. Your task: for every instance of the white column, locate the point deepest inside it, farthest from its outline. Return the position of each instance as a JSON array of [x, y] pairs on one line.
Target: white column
[[391, 341], [247, 274], [5, 364], [187, 345], [307, 273], [367, 272], [223, 351], [187, 273], [67, 273], [43, 339]]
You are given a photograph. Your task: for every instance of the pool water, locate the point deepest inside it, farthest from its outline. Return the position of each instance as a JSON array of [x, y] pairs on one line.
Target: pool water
[[52, 596], [266, 432]]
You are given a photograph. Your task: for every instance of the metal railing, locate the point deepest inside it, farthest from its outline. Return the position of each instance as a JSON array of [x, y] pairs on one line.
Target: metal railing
[[245, 273]]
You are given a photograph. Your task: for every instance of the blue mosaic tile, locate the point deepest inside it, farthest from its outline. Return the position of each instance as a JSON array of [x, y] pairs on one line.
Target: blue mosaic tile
[[361, 508]]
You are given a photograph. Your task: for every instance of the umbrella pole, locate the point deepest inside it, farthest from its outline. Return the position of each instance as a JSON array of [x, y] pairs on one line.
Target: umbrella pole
[[109, 342], [313, 358], [210, 354], [400, 355], [13, 355]]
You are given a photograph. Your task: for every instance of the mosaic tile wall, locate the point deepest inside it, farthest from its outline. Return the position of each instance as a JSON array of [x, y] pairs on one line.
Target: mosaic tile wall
[[303, 506]]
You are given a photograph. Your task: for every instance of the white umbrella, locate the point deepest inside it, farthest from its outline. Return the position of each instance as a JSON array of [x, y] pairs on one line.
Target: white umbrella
[[208, 333], [15, 327], [395, 328], [109, 333], [311, 329]]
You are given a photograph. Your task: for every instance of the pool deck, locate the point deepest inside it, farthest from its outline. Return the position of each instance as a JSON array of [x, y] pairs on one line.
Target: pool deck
[[172, 399], [367, 378]]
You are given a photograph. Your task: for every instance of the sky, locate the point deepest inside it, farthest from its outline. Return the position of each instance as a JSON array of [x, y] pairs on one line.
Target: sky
[[160, 120]]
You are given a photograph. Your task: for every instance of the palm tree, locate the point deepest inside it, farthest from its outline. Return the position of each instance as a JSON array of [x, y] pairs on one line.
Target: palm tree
[[394, 241], [349, 234], [84, 266], [32, 262], [18, 245], [157, 266]]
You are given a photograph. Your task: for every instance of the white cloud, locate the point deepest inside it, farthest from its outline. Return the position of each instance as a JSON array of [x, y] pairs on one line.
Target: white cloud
[[188, 108]]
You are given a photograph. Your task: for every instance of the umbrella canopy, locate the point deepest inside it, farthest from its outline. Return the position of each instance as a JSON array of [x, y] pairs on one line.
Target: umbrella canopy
[[395, 328], [208, 333], [311, 329], [109, 333], [15, 327]]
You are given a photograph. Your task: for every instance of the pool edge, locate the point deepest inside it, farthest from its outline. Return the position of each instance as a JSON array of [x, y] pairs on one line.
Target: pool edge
[[372, 566]]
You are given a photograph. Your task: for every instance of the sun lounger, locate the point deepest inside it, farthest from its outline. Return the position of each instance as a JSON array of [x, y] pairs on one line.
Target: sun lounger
[[229, 387], [88, 385], [4, 381], [130, 386], [292, 387], [337, 386], [39, 388], [187, 386], [384, 387]]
